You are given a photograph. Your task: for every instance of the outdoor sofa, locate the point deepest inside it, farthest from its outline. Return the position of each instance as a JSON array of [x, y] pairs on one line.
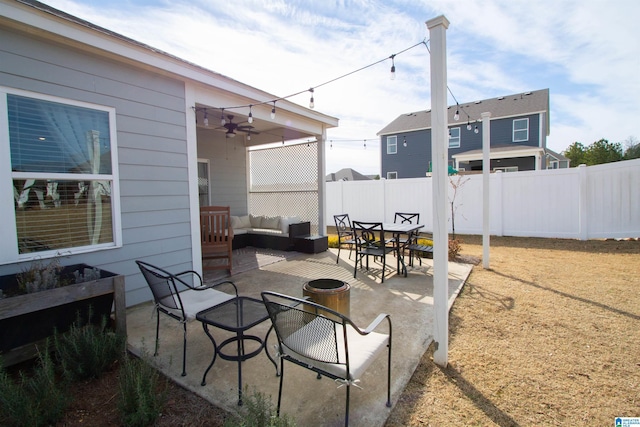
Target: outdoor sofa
[[268, 232]]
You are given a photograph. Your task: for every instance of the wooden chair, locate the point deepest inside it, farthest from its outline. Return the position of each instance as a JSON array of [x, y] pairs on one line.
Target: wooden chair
[[216, 237]]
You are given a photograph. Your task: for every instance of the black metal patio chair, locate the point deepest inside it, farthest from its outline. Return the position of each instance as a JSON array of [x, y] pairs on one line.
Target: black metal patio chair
[[370, 241], [345, 233], [177, 298], [333, 346]]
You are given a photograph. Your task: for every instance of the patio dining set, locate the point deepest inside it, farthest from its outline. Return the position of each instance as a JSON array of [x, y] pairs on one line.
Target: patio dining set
[[378, 239]]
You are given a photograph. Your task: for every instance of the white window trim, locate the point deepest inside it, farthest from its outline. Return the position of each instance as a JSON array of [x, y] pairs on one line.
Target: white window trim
[[526, 119], [454, 142], [394, 144], [392, 175], [9, 250]]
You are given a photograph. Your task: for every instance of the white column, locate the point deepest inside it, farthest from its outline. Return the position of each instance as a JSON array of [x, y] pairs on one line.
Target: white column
[[322, 184], [439, 148], [486, 193]]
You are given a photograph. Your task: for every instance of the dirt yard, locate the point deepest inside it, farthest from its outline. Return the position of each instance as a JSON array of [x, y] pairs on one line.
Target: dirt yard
[[548, 335]]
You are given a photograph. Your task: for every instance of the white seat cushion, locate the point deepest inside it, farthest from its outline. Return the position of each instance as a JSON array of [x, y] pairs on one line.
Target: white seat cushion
[[363, 349], [196, 301]]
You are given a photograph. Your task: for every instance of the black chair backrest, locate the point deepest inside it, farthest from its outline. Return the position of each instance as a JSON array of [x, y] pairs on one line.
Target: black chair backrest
[[368, 233], [343, 224], [162, 285], [406, 218], [301, 328]]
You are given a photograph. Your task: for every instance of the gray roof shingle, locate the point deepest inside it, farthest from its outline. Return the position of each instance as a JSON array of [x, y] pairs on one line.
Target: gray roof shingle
[[504, 106]]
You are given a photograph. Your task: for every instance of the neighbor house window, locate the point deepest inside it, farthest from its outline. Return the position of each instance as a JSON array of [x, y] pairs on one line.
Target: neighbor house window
[[392, 144], [506, 169], [60, 169], [454, 137], [520, 130], [392, 175]]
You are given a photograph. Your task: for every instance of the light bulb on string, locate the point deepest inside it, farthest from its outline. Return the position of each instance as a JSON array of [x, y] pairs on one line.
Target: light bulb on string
[[206, 119], [312, 104], [273, 111], [249, 136], [468, 125], [250, 119], [476, 129], [456, 116], [222, 120], [393, 67], [404, 142]]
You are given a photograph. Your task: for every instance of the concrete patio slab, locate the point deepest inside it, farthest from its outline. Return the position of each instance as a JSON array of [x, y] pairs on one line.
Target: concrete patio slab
[[311, 402]]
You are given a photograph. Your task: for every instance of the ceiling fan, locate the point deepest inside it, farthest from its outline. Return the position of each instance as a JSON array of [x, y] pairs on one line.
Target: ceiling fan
[[231, 127]]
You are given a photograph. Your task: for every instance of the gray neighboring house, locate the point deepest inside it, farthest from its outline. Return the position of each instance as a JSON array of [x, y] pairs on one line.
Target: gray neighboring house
[[111, 146], [346, 174], [519, 130]]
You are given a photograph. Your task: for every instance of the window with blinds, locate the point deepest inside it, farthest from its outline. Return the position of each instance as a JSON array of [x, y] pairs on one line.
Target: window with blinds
[[62, 175]]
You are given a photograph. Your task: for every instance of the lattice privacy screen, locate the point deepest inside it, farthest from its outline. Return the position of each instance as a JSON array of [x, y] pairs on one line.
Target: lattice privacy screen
[[284, 181]]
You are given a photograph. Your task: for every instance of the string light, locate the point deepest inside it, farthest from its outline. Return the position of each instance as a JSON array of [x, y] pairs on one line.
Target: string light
[[393, 67], [404, 142], [222, 120], [206, 119], [476, 129], [456, 116], [273, 111], [312, 104], [250, 118]]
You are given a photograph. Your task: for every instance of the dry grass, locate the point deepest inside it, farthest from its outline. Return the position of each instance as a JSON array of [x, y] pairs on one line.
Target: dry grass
[[548, 335]]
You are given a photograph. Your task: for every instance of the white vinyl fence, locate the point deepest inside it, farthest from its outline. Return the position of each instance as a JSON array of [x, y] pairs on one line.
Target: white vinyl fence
[[591, 202]]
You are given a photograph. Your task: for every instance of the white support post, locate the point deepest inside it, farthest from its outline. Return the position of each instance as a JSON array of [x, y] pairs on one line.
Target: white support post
[[486, 193], [439, 151]]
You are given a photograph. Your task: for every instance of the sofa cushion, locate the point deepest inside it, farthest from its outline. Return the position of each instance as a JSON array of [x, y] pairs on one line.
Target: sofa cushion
[[256, 221], [272, 222]]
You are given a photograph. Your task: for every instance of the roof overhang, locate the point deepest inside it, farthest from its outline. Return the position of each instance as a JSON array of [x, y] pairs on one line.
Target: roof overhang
[[213, 90], [499, 153]]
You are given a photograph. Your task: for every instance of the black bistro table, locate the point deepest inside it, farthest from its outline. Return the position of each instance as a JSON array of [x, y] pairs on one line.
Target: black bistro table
[[236, 315]]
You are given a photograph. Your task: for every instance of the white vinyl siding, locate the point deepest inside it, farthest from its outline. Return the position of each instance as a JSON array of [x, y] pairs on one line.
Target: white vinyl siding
[[520, 130], [392, 144]]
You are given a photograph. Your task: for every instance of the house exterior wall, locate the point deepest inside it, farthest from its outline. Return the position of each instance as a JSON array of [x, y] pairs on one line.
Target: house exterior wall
[[227, 170], [152, 148], [413, 161]]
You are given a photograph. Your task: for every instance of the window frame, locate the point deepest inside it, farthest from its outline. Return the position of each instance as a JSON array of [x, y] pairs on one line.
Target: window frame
[[506, 169], [526, 130], [9, 252], [394, 173], [393, 144], [453, 139]]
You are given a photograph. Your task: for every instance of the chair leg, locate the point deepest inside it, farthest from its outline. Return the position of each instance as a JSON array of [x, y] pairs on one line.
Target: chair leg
[[346, 412], [184, 350], [157, 331], [280, 388], [389, 377], [338, 259]]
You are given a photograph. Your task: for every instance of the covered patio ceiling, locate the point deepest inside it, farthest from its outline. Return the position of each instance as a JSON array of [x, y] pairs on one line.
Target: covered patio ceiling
[[261, 131]]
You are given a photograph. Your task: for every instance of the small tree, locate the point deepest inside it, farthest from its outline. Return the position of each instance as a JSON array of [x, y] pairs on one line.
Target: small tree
[[576, 153], [632, 148], [457, 182], [603, 151]]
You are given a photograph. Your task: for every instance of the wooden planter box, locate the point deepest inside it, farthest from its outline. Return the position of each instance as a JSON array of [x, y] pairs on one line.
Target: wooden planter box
[[28, 320]]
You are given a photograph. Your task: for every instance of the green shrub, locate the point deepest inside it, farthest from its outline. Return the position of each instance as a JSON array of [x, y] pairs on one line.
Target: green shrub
[[142, 395], [259, 411], [87, 351], [37, 400]]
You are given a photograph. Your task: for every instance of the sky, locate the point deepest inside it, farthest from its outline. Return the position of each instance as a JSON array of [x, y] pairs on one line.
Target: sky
[[586, 52]]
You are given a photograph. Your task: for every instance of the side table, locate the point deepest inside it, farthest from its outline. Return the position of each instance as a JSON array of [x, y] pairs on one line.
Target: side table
[[311, 244], [236, 315]]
